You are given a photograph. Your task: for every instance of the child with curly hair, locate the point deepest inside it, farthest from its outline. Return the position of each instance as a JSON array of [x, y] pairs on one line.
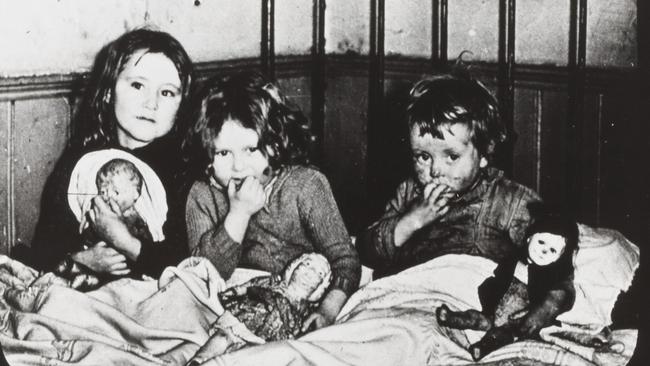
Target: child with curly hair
[[258, 203]]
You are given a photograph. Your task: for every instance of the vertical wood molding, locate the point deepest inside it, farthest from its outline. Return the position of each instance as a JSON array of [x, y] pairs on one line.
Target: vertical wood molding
[[599, 159], [11, 162], [575, 113], [267, 52], [506, 84], [318, 80], [438, 33], [376, 118], [539, 117]]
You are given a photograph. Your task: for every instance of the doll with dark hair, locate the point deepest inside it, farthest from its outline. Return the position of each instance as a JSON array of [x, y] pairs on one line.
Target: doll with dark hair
[[527, 291]]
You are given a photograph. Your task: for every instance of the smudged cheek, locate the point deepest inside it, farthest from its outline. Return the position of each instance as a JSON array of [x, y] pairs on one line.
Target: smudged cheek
[[422, 173]]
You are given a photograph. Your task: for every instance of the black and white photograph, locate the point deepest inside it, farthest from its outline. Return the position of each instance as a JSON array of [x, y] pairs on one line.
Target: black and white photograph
[[324, 182]]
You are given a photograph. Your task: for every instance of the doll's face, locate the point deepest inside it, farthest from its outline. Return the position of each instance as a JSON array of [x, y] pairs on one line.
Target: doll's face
[[452, 160], [119, 188], [306, 278], [545, 248]]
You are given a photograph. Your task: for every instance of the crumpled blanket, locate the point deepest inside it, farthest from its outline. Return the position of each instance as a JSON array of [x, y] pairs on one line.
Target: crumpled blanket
[[126, 322], [392, 321]]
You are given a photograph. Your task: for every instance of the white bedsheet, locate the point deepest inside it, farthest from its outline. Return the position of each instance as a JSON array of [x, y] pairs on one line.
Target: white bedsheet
[[392, 322]]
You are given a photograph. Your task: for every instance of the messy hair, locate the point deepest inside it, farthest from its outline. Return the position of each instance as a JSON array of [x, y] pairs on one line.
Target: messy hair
[[439, 101], [95, 123], [257, 104]]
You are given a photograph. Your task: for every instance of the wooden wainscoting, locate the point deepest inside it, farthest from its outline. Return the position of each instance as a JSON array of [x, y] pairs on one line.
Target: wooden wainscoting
[[35, 115]]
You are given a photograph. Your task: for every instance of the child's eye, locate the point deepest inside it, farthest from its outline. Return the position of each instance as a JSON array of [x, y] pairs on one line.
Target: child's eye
[[168, 93], [137, 85], [422, 157], [453, 157], [253, 149], [221, 153]]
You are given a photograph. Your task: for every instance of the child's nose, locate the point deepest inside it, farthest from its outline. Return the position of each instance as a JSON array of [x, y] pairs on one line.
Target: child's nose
[[436, 168], [151, 100], [238, 163]]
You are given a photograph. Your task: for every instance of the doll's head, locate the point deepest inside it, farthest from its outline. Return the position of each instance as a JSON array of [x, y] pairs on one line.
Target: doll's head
[[454, 127], [121, 181], [307, 277], [552, 239]]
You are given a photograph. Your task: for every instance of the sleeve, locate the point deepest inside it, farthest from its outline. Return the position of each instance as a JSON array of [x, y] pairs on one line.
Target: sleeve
[[322, 218], [207, 236], [57, 229], [520, 217], [156, 256], [376, 244]]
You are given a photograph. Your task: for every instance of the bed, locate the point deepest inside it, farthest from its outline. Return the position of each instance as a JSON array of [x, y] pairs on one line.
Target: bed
[[387, 322]]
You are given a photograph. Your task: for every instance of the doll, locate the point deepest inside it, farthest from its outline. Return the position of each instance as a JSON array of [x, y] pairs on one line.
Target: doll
[[527, 291], [119, 184], [268, 308]]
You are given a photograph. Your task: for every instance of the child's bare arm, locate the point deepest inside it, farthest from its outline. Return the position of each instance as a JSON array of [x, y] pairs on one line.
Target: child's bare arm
[[327, 311], [431, 207]]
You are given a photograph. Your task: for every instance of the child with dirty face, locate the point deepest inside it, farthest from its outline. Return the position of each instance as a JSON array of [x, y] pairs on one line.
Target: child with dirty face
[[455, 201]]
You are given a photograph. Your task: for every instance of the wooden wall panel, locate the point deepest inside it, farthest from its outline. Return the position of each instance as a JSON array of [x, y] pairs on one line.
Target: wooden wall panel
[[553, 186], [345, 145], [611, 177], [526, 153], [39, 136], [590, 159], [5, 217]]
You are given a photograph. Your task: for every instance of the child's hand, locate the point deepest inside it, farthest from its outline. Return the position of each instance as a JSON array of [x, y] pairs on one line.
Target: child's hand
[[327, 311], [433, 204], [315, 321], [103, 259], [248, 198], [109, 226]]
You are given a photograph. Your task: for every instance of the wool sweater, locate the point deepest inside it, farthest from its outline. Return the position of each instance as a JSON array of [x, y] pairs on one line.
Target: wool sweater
[[300, 216]]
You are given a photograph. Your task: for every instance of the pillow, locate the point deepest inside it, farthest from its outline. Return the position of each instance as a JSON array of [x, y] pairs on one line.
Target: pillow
[[604, 266]]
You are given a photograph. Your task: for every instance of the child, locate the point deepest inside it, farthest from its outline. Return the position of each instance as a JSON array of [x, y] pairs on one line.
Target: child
[[528, 290], [258, 204], [455, 202], [271, 307], [135, 100], [119, 183]]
